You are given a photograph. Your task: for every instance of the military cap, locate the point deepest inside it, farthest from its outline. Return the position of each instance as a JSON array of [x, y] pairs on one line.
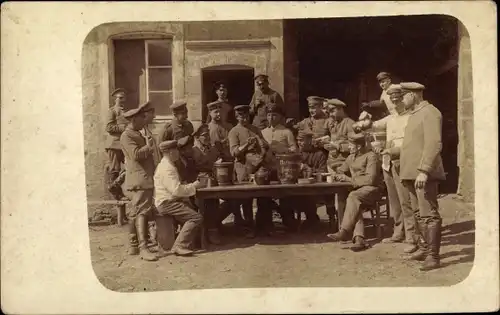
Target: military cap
[[358, 138], [303, 134], [315, 100], [411, 86], [168, 145], [261, 76], [394, 88], [132, 112], [336, 102], [179, 104], [220, 85], [273, 108], [202, 129], [214, 105], [145, 107], [242, 108], [383, 75], [118, 90]]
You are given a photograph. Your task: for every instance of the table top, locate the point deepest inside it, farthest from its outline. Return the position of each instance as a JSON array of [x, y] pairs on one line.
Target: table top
[[274, 185]]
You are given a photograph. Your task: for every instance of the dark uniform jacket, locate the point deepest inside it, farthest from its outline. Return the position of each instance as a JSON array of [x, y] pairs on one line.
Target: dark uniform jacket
[[421, 150], [115, 125], [364, 169], [139, 163], [339, 131], [316, 160], [219, 133], [259, 104], [317, 125]]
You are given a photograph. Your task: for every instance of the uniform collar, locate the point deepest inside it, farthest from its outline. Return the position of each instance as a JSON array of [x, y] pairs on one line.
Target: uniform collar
[[418, 107]]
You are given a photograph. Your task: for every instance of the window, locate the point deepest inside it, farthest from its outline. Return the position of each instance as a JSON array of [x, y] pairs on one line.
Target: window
[[159, 75], [144, 69]]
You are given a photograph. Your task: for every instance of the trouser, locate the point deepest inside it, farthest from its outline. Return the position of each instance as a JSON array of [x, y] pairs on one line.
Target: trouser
[[424, 202], [353, 215], [115, 160], [141, 205], [285, 210], [184, 213], [399, 205], [264, 215]]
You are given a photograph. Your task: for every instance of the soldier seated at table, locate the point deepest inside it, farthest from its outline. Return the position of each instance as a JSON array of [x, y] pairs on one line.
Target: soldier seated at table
[[172, 199], [205, 155], [250, 151], [281, 141], [313, 161], [363, 167]]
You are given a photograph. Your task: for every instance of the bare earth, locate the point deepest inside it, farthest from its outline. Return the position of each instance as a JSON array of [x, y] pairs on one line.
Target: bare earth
[[300, 260]]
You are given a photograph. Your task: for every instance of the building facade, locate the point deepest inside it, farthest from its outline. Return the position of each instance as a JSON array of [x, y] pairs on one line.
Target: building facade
[[164, 61]]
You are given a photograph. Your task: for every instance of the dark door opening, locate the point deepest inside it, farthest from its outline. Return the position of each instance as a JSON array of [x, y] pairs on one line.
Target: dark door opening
[[240, 86], [340, 58]]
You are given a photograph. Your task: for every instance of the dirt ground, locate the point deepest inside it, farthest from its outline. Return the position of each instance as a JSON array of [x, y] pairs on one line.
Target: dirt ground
[[307, 259]]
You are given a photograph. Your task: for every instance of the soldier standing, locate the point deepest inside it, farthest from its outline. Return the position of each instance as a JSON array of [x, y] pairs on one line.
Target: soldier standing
[[115, 125], [385, 80], [263, 96], [421, 169], [139, 167], [226, 109]]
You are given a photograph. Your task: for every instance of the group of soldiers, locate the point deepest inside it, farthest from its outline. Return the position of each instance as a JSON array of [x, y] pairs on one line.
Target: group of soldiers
[[161, 175]]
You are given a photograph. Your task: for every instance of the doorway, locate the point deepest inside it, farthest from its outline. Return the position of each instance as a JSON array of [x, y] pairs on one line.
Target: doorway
[[239, 82]]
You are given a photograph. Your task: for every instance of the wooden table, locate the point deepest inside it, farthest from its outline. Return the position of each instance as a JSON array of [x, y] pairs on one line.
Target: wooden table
[[274, 190]]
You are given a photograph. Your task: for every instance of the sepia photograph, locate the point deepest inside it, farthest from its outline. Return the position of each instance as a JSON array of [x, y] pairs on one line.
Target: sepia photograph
[[314, 152]]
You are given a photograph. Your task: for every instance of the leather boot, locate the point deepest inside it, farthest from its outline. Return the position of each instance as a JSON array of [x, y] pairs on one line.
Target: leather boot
[[142, 234], [152, 233], [432, 260], [359, 244], [423, 247], [132, 236]]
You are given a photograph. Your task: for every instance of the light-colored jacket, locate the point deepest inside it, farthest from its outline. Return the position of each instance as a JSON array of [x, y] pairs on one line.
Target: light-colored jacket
[[421, 150]]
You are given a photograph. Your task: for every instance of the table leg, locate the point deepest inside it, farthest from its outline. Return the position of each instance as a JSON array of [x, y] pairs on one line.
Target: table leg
[[120, 212], [203, 232]]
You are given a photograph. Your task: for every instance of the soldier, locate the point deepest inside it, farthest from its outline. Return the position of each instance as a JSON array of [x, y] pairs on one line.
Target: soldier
[[316, 122], [281, 140], [176, 129], [116, 124], [385, 80], [139, 166], [172, 199], [250, 150], [399, 198], [263, 96], [226, 109], [362, 165], [421, 169]]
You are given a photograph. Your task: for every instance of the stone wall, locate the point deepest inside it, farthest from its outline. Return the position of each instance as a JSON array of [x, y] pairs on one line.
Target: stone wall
[[196, 45], [465, 117]]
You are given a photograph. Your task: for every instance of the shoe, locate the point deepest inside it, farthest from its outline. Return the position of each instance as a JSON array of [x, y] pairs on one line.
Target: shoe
[[423, 248], [432, 261], [410, 249], [162, 253], [392, 240], [359, 244], [182, 251], [339, 236], [133, 243], [142, 235]]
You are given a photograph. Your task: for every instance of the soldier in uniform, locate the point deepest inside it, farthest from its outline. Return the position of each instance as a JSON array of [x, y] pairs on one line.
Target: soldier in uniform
[[422, 169], [115, 125], [176, 129], [250, 151], [218, 132], [139, 166], [226, 109], [362, 165], [263, 96]]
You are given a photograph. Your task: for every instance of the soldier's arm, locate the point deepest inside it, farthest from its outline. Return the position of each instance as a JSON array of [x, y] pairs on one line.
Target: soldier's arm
[[260, 139], [371, 173], [133, 149], [112, 126], [171, 181], [432, 141], [166, 133], [234, 144], [381, 124], [252, 105], [292, 144], [344, 168]]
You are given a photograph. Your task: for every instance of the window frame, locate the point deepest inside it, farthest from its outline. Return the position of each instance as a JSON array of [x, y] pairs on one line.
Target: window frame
[[147, 66]]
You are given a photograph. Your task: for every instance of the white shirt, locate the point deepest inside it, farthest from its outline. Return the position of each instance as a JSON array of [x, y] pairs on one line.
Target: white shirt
[[395, 125], [388, 103], [168, 184]]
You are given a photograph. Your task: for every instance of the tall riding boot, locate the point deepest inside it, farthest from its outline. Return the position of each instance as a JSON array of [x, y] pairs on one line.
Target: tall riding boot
[[142, 234], [422, 242], [152, 233], [132, 236], [432, 260]]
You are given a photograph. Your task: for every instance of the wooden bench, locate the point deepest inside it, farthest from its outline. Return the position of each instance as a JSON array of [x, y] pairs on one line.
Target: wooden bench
[[120, 207]]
